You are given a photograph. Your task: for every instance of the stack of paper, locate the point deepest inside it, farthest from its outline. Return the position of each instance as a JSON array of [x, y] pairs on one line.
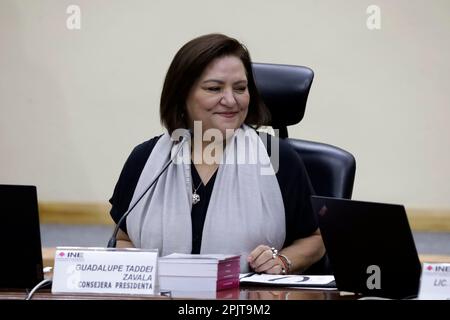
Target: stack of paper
[[300, 281], [194, 272]]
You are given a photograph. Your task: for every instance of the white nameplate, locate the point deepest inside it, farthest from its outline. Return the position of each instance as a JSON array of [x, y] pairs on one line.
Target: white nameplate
[[435, 281], [102, 270]]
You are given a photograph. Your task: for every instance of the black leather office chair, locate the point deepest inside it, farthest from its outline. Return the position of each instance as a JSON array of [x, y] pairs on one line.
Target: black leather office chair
[[285, 90]]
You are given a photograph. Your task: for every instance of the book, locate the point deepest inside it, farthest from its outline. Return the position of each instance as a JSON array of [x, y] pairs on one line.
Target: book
[[200, 265], [300, 281], [199, 272]]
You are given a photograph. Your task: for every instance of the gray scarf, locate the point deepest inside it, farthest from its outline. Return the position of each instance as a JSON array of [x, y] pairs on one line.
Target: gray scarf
[[246, 207]]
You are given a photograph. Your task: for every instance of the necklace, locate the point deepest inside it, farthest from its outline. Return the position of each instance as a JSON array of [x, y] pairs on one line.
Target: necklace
[[195, 196]]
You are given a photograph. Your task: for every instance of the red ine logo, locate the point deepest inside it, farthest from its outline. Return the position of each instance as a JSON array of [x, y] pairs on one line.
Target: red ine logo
[[430, 268], [61, 254]]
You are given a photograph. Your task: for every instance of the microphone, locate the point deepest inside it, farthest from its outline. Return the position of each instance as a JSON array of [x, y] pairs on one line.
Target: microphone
[[113, 240]]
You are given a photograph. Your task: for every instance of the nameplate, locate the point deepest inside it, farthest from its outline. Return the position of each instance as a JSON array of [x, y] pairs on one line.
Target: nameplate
[[104, 270], [435, 281]]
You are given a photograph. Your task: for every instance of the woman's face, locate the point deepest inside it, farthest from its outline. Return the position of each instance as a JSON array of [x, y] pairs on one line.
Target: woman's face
[[220, 97]]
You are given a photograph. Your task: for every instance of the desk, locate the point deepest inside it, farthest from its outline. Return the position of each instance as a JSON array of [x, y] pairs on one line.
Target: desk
[[243, 293], [433, 258]]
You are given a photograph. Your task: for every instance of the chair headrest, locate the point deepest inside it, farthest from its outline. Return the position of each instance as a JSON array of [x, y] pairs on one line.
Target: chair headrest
[[284, 89]]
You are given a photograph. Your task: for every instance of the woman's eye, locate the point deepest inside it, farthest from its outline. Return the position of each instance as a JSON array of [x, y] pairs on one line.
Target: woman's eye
[[213, 89], [240, 89]]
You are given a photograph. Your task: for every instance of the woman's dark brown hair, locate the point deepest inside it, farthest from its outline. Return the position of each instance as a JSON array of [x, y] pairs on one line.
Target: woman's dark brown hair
[[188, 65]]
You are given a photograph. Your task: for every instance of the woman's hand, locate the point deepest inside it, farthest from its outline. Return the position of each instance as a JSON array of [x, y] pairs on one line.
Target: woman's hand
[[298, 256], [123, 241], [264, 259]]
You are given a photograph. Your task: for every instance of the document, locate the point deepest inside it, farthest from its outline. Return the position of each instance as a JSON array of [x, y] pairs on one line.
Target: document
[[300, 281]]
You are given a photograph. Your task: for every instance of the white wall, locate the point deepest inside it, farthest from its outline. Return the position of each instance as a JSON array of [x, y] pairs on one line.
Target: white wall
[[73, 103]]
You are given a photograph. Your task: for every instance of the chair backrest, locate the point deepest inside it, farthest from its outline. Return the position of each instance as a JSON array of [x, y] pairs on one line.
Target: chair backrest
[[331, 169], [285, 91]]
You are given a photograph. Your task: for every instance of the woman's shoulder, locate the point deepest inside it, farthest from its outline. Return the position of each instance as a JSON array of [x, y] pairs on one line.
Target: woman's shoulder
[[131, 172], [146, 145], [142, 151]]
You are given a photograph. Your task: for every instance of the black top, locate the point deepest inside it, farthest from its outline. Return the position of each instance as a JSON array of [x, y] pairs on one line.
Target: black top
[[198, 213], [292, 178]]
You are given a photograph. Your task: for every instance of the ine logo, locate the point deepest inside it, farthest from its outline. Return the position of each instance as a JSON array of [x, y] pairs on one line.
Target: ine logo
[[73, 22], [374, 19], [374, 280], [70, 255], [74, 254], [439, 268]]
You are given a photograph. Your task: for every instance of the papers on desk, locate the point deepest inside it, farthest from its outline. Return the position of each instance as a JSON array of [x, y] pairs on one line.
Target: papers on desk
[[297, 281]]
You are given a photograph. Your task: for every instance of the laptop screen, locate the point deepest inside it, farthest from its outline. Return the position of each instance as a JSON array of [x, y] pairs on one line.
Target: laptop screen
[[370, 247], [20, 237]]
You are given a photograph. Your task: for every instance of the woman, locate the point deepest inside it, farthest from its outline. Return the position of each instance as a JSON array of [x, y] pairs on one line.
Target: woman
[[218, 200]]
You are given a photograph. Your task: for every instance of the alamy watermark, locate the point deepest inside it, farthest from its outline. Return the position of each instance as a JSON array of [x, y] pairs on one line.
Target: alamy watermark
[[209, 148], [374, 280], [73, 21], [373, 21]]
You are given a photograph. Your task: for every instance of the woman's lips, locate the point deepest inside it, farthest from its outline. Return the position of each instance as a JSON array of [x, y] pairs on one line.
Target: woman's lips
[[227, 114]]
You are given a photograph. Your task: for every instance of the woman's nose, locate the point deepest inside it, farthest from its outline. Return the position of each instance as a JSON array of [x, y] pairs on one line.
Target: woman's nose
[[228, 98]]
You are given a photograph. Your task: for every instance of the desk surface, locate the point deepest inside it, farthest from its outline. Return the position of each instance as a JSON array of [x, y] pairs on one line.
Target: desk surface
[[243, 293]]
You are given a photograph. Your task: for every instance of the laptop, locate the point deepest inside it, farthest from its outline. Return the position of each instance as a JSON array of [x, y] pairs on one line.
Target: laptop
[[370, 247], [20, 237]]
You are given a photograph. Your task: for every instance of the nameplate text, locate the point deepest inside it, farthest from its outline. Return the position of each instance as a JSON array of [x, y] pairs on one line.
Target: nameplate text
[[435, 281], [107, 271]]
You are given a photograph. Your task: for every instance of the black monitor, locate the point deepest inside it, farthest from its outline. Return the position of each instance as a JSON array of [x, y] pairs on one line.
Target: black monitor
[[20, 237], [366, 240]]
